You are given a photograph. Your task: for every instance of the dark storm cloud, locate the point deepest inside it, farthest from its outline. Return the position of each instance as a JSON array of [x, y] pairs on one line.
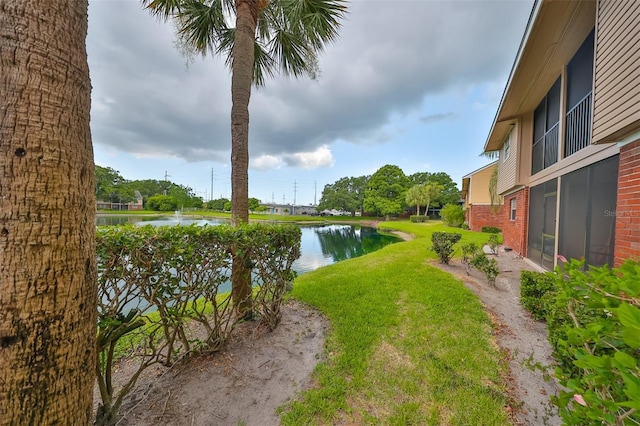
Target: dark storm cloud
[[390, 56]]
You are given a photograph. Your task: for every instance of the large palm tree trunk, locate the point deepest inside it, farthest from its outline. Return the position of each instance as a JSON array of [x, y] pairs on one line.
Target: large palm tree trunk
[[241, 80], [47, 213]]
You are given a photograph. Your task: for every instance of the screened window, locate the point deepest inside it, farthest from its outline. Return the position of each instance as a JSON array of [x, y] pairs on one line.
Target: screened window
[[546, 119], [512, 215], [587, 219]]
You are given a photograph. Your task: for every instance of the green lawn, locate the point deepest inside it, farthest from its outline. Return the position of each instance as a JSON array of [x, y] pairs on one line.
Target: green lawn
[[409, 344]]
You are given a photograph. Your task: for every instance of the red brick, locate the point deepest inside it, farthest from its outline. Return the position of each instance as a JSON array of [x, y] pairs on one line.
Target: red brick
[[627, 243], [483, 215]]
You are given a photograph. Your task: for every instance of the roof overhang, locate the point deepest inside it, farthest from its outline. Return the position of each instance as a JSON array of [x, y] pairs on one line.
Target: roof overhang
[[555, 31]]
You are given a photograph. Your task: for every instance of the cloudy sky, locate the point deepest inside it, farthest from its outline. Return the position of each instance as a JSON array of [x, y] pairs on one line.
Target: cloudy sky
[[414, 84]]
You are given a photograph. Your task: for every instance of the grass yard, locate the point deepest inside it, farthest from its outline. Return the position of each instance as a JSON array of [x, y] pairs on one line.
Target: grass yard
[[409, 344]]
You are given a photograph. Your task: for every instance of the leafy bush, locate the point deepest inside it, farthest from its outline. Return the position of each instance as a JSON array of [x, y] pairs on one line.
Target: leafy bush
[[594, 327], [452, 215], [468, 252], [491, 230], [493, 243], [418, 218], [158, 286], [537, 292], [443, 243], [465, 226], [489, 267]]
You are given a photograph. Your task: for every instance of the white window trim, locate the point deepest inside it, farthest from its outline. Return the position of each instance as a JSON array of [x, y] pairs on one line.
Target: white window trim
[[513, 209], [506, 147]]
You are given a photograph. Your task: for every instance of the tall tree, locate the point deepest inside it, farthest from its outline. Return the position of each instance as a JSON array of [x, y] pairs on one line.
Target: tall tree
[[449, 193], [385, 194], [346, 194], [433, 192], [417, 195], [47, 215], [267, 35]]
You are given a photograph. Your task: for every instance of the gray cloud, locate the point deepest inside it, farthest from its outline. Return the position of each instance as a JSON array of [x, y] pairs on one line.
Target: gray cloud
[[435, 118], [390, 56]]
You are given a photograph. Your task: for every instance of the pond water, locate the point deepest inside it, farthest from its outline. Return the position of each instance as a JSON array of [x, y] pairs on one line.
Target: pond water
[[320, 245]]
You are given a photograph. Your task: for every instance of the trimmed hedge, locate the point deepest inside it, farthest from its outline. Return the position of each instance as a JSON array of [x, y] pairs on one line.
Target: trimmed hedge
[[491, 229]]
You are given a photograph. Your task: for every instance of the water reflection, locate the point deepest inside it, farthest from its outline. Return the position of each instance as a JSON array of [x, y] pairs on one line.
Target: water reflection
[[324, 245]]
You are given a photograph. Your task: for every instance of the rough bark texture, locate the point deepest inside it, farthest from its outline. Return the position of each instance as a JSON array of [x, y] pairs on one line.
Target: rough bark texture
[[241, 80], [47, 214]]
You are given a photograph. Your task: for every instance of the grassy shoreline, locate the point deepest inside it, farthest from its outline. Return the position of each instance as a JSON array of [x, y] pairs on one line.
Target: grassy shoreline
[[409, 344]]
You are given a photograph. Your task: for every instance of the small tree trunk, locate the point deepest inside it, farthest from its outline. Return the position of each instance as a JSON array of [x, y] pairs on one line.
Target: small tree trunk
[[47, 216]]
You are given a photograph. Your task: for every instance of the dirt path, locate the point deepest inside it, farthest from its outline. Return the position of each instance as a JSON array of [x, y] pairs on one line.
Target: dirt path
[[243, 384], [259, 371], [523, 339]]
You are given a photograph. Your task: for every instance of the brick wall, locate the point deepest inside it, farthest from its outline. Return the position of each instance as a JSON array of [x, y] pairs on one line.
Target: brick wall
[[482, 215], [514, 232], [627, 243]]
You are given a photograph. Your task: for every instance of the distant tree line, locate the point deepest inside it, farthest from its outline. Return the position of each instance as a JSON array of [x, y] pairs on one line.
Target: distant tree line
[[158, 195], [390, 192]]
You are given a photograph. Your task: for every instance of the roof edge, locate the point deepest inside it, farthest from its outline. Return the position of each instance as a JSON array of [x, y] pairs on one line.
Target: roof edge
[[535, 10]]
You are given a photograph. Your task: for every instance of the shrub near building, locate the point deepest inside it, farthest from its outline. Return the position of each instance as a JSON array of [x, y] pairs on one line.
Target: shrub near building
[[593, 318]]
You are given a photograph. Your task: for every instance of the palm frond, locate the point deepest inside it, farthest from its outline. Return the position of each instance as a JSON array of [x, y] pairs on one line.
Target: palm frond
[[295, 31], [165, 9], [264, 65], [318, 20], [200, 24]]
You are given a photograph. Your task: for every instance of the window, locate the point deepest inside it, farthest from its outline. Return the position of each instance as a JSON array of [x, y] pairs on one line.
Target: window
[[506, 148], [514, 202], [579, 88], [546, 118]]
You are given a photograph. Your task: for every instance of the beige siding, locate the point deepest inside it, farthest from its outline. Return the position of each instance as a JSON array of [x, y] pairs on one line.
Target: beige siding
[[479, 187], [507, 166], [617, 71]]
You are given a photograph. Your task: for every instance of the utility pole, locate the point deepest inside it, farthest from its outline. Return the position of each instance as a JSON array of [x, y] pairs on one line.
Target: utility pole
[[295, 189], [283, 199], [166, 179], [315, 191], [212, 183]]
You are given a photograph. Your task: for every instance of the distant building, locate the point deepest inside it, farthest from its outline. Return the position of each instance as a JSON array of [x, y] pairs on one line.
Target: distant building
[[288, 209], [136, 205], [479, 210]]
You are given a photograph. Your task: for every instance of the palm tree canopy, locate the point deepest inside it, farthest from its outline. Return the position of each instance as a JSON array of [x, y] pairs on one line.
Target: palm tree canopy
[[289, 33]]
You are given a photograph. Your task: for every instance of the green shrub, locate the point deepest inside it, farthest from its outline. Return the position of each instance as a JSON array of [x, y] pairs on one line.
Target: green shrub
[[158, 286], [443, 243], [491, 229], [537, 292], [489, 267], [469, 251], [493, 243], [465, 226], [418, 218], [452, 215], [594, 327]]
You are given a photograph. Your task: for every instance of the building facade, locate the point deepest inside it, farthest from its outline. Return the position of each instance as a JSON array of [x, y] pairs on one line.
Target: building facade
[[568, 135], [480, 210]]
